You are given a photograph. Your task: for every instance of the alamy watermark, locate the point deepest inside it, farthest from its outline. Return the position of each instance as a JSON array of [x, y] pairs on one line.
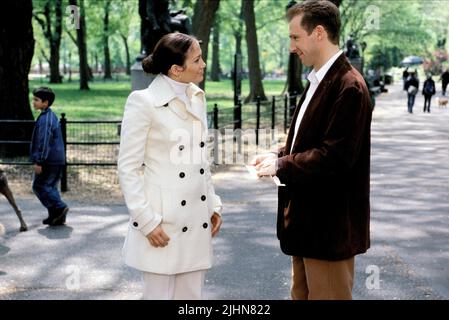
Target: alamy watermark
[[73, 19], [373, 280], [372, 14], [72, 282], [228, 146]]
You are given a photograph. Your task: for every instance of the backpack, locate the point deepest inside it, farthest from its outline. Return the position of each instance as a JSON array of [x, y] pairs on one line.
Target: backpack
[[412, 90], [429, 88]]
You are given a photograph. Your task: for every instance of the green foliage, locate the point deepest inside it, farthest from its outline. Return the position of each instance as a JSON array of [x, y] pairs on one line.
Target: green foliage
[[272, 32], [406, 27], [123, 20]]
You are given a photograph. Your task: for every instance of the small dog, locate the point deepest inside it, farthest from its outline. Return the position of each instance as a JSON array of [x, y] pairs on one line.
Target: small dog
[[442, 102], [4, 189]]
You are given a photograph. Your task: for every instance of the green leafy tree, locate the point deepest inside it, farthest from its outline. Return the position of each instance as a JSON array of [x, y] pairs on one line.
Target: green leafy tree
[[49, 16]]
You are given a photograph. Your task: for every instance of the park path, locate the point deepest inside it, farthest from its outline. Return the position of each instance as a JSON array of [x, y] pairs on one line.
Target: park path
[[410, 228]]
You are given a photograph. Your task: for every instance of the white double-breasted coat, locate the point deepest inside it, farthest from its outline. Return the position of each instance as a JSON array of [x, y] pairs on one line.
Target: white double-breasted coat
[[165, 177]]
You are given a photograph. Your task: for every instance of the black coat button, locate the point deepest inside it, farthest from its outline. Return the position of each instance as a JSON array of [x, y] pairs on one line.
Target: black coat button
[[205, 225], [202, 171], [203, 197], [184, 229], [181, 147], [201, 144], [135, 224], [183, 203], [182, 175]]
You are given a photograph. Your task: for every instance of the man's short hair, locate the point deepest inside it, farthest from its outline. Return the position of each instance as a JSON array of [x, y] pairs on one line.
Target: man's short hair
[[318, 12], [45, 94]]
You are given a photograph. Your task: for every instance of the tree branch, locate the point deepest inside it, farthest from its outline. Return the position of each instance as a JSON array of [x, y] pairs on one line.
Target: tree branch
[[41, 22], [45, 56], [72, 37], [267, 22]]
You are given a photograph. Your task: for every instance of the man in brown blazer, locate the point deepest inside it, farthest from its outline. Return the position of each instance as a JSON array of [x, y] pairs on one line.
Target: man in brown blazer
[[324, 207]]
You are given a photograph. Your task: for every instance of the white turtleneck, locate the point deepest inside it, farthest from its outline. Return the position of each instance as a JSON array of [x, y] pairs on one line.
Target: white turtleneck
[[180, 89]]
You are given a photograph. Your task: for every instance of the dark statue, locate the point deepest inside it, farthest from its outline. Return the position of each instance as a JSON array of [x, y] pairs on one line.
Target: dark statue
[[156, 21], [352, 50]]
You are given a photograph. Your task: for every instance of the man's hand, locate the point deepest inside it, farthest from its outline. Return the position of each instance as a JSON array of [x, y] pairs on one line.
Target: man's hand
[[262, 157], [157, 237], [37, 169], [267, 167], [216, 223]]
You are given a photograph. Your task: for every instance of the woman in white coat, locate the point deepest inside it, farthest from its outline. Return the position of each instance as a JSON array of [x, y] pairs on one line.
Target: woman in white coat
[[164, 174]]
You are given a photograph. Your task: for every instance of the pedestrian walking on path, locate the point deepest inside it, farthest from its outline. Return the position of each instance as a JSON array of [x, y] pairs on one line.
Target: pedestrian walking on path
[[445, 80], [428, 90], [47, 154], [412, 87]]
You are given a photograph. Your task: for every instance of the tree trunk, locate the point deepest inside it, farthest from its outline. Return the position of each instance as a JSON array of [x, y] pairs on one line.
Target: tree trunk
[[202, 21], [53, 37], [82, 48], [64, 59], [128, 60], [16, 53], [215, 71], [294, 75], [92, 62], [238, 42], [281, 58], [238, 61], [255, 76], [107, 57], [70, 65], [55, 76], [96, 62], [142, 13], [40, 67], [238, 33], [90, 74]]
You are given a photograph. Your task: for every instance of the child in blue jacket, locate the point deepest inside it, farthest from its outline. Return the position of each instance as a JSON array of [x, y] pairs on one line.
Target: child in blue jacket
[[47, 154]]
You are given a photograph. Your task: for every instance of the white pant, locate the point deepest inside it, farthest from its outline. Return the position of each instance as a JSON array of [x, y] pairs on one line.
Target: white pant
[[181, 286]]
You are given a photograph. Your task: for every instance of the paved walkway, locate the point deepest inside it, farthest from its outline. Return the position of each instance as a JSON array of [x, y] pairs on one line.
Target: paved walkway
[[410, 229]]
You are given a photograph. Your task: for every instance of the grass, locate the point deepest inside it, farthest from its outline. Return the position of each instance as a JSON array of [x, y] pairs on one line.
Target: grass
[[105, 99]]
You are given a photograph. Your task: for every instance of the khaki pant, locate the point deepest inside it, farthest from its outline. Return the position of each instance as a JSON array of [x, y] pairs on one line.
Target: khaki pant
[[314, 279], [182, 286]]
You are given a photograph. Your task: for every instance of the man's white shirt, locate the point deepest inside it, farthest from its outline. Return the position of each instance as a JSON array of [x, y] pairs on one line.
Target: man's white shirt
[[315, 78]]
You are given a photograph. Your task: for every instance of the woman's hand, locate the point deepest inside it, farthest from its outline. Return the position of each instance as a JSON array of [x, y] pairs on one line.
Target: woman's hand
[[37, 169], [158, 238], [216, 223]]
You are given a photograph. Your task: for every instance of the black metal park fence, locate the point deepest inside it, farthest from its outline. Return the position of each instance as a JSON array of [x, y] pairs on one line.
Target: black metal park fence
[[89, 146], [270, 114], [92, 146]]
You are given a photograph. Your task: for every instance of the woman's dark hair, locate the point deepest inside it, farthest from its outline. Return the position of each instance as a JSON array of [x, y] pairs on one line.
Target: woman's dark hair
[[171, 49], [45, 94]]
